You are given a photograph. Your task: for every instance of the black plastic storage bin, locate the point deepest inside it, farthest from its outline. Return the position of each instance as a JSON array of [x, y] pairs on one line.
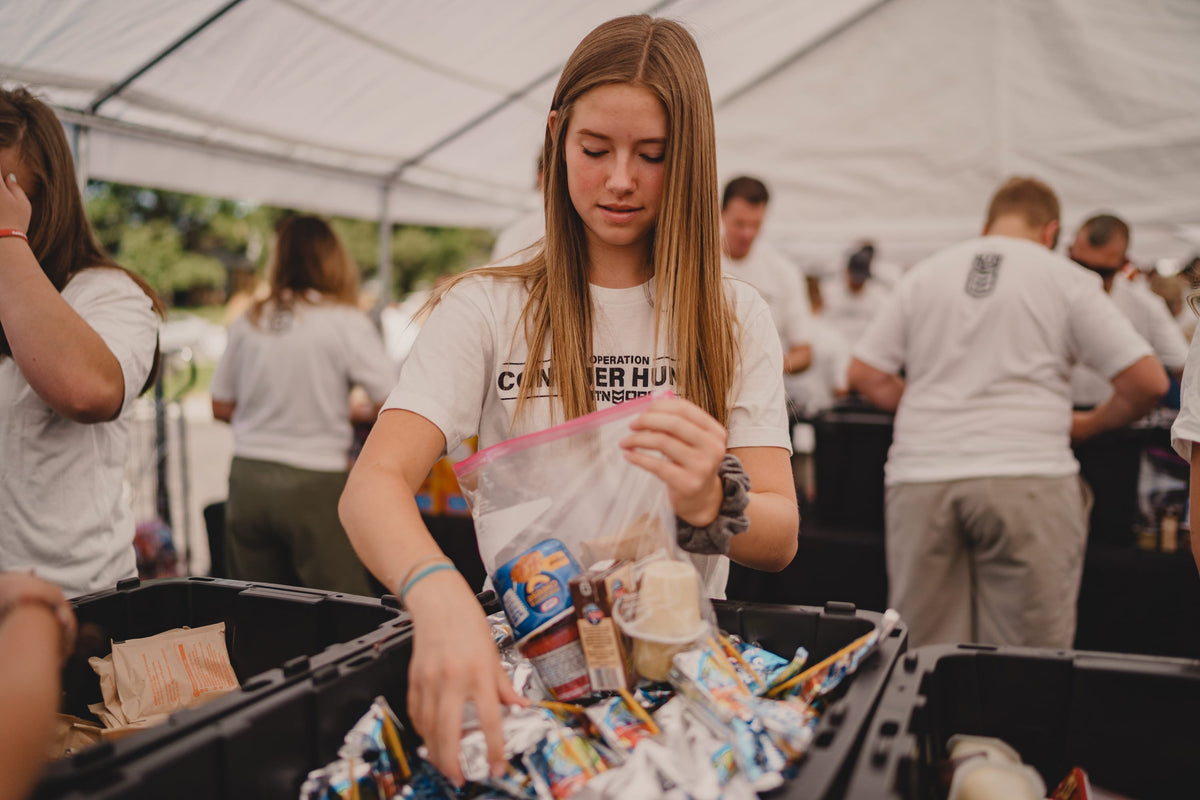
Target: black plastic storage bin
[[275, 635], [265, 749], [852, 441], [1129, 721]]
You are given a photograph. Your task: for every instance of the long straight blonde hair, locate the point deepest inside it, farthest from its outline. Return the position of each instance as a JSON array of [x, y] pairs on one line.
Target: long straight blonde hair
[[689, 299]]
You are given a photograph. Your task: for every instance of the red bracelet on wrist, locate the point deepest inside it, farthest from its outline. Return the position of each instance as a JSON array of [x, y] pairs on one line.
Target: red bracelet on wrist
[[13, 232]]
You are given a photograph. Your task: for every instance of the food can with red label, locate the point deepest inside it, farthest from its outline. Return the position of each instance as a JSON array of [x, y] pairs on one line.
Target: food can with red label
[[557, 655]]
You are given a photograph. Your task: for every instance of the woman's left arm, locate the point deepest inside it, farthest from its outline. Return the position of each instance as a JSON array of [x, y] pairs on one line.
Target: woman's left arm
[[770, 543], [692, 445], [64, 359]]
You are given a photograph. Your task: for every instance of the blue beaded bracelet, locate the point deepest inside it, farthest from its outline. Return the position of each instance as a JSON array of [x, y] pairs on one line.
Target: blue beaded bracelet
[[425, 573]]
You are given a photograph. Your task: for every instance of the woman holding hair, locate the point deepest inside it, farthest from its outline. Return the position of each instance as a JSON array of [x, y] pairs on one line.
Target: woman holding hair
[[629, 276], [284, 383], [78, 340]]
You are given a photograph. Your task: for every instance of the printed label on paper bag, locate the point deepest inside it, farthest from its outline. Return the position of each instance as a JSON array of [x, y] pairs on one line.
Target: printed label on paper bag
[[173, 670]]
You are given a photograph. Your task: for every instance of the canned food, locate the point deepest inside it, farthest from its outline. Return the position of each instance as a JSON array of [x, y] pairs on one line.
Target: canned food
[[557, 655], [534, 587]]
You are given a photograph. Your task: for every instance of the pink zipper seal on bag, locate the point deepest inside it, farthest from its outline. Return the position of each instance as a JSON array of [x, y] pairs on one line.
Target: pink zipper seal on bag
[[582, 424]]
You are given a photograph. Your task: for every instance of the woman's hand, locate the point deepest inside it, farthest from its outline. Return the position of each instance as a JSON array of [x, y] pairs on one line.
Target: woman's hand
[[19, 588], [691, 445], [455, 662], [15, 209]]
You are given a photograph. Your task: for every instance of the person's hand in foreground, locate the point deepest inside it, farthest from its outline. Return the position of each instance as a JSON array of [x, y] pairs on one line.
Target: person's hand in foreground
[[455, 663]]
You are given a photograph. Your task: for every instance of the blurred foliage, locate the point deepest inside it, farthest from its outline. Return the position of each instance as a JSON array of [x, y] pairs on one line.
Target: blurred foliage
[[423, 254], [184, 243]]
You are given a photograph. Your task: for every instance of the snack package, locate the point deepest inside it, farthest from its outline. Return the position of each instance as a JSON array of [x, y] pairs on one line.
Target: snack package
[[143, 680], [622, 722], [549, 505], [562, 763], [606, 649], [371, 762], [816, 683]]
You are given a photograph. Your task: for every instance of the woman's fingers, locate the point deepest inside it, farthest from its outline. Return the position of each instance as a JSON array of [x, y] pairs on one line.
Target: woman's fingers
[[487, 707], [14, 204], [443, 741]]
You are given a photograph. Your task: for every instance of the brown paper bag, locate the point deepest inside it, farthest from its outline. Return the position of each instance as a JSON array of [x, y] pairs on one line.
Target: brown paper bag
[[72, 734], [143, 680]]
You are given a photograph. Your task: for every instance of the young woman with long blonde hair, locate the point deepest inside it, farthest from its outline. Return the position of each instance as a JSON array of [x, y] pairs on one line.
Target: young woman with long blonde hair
[[625, 296], [78, 344]]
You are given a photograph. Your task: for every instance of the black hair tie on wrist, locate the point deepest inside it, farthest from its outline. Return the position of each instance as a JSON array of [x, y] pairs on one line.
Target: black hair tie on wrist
[[714, 538]]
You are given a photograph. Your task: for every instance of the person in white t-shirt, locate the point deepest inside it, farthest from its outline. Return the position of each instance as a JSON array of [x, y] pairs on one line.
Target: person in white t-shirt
[[1101, 245], [851, 300], [632, 247], [284, 383], [78, 344], [985, 513], [777, 280]]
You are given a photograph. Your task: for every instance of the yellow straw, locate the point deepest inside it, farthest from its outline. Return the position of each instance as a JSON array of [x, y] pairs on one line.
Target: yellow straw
[[579, 755], [353, 780], [727, 665], [733, 651], [808, 673], [393, 741], [561, 708], [639, 712]]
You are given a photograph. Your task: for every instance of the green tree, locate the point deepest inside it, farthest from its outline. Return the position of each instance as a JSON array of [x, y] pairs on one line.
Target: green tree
[[421, 254]]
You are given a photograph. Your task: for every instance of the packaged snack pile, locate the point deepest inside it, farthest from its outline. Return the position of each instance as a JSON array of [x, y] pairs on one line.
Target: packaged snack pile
[[731, 720], [608, 629]]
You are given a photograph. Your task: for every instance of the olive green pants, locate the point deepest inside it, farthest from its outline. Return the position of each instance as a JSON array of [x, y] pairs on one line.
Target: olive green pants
[[282, 526]]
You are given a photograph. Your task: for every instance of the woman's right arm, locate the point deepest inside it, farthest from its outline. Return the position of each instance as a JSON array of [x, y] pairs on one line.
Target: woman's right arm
[[455, 660], [64, 360]]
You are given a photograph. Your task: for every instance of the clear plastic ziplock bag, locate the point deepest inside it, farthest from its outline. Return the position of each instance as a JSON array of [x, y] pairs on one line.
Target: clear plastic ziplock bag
[[581, 547]]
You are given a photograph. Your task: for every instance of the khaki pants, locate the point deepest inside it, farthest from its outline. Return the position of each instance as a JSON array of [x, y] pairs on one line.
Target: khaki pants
[[282, 526], [987, 560]]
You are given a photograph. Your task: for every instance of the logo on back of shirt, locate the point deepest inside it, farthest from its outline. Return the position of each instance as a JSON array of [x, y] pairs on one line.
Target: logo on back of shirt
[[981, 280]]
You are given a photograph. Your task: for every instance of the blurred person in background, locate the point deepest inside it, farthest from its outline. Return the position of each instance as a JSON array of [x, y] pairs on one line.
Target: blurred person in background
[[37, 633], [78, 344], [777, 280], [851, 300], [285, 383], [1102, 245], [986, 515], [1185, 432]]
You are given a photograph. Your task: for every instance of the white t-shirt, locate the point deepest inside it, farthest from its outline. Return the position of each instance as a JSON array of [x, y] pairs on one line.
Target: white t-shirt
[[1152, 320], [463, 373], [817, 388], [1186, 428], [62, 506], [849, 313], [781, 285], [987, 331], [290, 377]]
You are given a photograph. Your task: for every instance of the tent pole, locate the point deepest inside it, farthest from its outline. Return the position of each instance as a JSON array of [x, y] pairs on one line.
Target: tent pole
[[80, 141], [385, 246]]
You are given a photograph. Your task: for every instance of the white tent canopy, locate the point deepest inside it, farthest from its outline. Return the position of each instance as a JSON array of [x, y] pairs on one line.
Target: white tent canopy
[[889, 119]]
